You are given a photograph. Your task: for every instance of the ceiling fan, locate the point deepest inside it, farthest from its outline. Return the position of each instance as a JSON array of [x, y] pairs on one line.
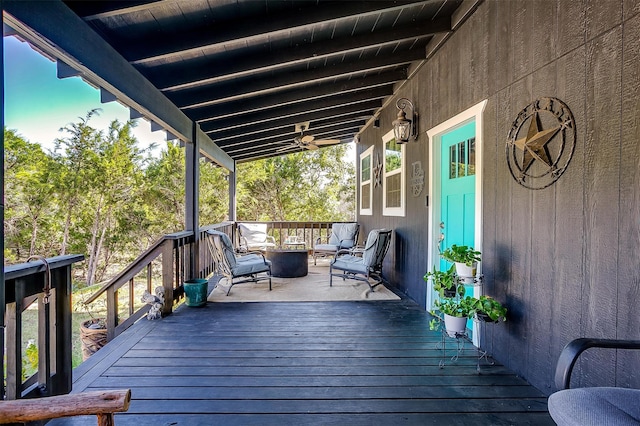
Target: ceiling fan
[[307, 141]]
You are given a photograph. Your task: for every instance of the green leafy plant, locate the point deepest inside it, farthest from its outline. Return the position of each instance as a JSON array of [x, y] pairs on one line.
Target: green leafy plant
[[457, 308], [461, 254], [489, 309], [434, 324], [445, 282]]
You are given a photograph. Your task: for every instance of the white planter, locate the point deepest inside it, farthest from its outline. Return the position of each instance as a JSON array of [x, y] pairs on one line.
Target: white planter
[[455, 325], [467, 273]]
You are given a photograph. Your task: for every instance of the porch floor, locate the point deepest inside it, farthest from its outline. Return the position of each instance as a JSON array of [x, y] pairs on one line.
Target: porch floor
[[303, 363]]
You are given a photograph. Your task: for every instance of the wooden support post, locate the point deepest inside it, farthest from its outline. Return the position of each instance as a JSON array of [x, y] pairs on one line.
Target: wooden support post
[[62, 365], [192, 182], [167, 276]]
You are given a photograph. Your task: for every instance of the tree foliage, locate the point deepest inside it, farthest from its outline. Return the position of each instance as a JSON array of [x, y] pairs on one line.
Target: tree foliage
[[99, 194], [305, 186]]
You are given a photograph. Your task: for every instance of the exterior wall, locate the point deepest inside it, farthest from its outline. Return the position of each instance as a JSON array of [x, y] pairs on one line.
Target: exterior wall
[[563, 259]]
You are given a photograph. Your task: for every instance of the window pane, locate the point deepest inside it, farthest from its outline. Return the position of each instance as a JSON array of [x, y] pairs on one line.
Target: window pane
[[453, 169], [462, 159], [365, 196], [393, 190], [393, 156], [472, 156], [365, 167]]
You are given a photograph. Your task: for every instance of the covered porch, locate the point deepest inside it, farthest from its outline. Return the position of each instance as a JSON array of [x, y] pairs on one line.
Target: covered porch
[[356, 363]]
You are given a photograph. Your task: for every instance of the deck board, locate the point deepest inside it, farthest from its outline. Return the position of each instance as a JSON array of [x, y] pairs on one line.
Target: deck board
[[373, 363]]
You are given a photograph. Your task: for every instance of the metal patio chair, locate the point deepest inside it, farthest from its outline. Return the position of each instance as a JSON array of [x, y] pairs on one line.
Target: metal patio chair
[[253, 236], [249, 266], [343, 236], [367, 264]]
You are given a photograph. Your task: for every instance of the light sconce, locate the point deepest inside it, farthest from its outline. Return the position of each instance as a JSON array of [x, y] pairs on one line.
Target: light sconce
[[405, 129]]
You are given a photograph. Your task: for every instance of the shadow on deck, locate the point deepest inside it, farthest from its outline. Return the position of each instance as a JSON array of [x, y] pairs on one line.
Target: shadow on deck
[[303, 363]]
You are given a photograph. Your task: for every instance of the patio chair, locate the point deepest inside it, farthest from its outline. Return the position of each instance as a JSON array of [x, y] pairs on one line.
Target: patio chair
[[366, 266], [253, 236], [593, 405], [343, 236], [226, 263]]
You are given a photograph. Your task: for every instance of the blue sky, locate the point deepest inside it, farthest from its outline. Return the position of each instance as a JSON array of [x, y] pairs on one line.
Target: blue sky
[[37, 104]]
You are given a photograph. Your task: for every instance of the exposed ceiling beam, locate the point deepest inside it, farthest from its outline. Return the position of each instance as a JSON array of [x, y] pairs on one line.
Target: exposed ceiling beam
[[367, 106], [213, 69], [241, 120], [249, 31], [247, 88], [337, 130], [293, 96], [357, 119], [92, 10]]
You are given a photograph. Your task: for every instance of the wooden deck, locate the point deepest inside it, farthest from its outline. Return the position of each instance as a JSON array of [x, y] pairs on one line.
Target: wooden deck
[[347, 363]]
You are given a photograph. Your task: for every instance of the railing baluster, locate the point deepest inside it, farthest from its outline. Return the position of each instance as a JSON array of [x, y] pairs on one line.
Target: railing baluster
[[112, 312], [149, 276], [131, 283]]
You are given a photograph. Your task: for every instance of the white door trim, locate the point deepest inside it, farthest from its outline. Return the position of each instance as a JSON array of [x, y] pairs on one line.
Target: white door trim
[[435, 138]]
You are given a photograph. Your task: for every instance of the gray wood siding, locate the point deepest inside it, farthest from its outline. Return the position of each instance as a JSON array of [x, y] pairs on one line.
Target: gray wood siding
[[564, 259]]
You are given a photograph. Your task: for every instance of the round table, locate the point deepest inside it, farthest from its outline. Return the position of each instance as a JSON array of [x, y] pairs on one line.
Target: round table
[[288, 263]]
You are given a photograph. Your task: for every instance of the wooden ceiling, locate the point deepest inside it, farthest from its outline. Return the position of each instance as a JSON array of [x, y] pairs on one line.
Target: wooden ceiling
[[248, 71]]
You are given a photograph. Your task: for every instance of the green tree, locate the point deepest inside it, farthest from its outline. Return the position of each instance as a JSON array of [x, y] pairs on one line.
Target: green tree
[[164, 192], [28, 199], [305, 186]]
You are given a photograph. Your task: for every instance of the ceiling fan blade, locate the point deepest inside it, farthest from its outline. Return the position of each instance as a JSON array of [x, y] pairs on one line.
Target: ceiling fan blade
[[326, 142], [307, 138], [311, 146], [286, 148]]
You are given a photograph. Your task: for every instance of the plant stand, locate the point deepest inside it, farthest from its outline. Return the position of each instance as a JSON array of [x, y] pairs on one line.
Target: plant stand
[[462, 341]]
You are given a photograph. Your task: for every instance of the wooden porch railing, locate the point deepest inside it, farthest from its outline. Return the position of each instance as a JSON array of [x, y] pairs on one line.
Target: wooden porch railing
[[308, 232], [174, 254], [25, 285]]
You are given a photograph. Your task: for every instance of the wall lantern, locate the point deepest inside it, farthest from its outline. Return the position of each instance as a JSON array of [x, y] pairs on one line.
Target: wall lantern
[[405, 129]]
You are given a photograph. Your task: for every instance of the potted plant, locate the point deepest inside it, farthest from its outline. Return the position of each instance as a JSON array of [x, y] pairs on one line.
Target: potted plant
[[465, 258], [456, 313], [489, 309], [445, 282]]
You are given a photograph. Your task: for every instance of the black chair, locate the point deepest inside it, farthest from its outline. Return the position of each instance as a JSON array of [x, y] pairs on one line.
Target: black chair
[[594, 405]]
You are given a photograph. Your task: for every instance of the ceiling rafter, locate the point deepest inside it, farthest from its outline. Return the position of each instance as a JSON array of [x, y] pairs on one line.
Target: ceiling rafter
[[241, 120], [294, 96], [251, 88], [351, 127], [212, 70], [350, 119], [256, 29], [247, 71], [367, 106]]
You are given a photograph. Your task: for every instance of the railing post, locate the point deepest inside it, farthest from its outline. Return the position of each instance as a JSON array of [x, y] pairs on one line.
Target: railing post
[[62, 380], [167, 276], [14, 344], [112, 313]]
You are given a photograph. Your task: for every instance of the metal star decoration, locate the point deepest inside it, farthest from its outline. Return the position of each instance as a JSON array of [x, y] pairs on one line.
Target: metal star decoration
[[377, 172], [538, 158], [534, 145]]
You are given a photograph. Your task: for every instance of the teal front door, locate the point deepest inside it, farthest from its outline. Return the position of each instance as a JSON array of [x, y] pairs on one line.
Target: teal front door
[[458, 184]]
